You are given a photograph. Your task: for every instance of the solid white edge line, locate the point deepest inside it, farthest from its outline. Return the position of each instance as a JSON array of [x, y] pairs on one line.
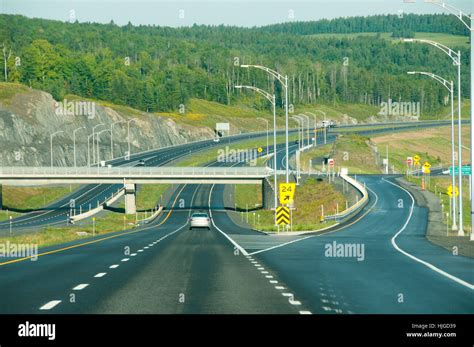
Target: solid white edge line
[[429, 265], [244, 252]]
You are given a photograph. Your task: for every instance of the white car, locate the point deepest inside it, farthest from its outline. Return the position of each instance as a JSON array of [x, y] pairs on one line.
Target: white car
[[216, 139], [200, 220]]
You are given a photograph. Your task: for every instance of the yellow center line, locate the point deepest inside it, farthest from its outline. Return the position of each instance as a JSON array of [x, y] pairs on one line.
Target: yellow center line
[[99, 240]]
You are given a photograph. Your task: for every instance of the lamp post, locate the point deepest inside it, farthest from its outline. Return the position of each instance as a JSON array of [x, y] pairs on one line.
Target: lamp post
[[98, 147], [284, 82], [468, 22], [270, 98], [112, 137], [128, 135], [449, 85], [324, 127], [315, 129], [266, 121], [89, 148], [300, 131], [74, 142], [93, 133], [456, 58], [307, 125], [51, 144]]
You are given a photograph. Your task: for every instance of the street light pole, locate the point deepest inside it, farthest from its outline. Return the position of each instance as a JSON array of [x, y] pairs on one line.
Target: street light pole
[[456, 58], [307, 125], [468, 22], [112, 138], [89, 148], [128, 136], [51, 144], [74, 143], [324, 124], [450, 86], [98, 140], [284, 82], [93, 133], [272, 100], [315, 129], [266, 121]]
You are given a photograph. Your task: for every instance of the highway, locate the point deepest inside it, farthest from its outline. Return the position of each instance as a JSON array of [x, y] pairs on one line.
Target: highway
[[163, 267], [88, 196]]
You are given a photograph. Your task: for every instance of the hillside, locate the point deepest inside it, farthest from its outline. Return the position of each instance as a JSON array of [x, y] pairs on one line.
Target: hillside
[[161, 69]]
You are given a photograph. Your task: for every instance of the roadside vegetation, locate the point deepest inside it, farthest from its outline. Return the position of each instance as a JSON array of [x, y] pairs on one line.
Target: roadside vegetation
[[309, 197], [439, 186], [31, 198], [432, 145], [106, 223]]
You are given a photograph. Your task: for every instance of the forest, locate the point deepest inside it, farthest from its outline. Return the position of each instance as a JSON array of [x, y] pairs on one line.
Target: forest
[[157, 69]]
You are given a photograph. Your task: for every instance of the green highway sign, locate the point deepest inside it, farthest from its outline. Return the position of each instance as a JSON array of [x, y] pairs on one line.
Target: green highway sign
[[465, 170]]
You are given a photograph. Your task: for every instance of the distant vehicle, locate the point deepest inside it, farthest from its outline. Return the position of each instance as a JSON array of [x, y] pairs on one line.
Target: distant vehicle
[[216, 139], [102, 163], [141, 162], [199, 220], [328, 124]]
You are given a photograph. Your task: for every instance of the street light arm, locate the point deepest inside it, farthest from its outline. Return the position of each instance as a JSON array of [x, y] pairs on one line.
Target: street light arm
[[454, 10], [455, 56], [444, 82], [267, 95], [274, 73]]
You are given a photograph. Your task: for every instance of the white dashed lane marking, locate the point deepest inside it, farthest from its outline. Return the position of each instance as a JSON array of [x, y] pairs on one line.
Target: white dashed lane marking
[[114, 266], [50, 305], [80, 286], [125, 259], [101, 274]]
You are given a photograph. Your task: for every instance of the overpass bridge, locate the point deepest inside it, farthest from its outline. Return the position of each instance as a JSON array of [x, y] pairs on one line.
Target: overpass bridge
[[131, 176]]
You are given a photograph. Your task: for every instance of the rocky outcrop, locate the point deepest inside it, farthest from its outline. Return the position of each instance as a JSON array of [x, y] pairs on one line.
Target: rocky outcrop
[[28, 118]]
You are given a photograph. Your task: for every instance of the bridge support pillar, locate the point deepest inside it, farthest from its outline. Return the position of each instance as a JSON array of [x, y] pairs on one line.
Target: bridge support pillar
[[130, 205], [267, 195]]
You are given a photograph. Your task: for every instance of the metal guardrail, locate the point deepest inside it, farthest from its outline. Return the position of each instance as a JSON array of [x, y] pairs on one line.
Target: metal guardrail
[[357, 206], [127, 172]]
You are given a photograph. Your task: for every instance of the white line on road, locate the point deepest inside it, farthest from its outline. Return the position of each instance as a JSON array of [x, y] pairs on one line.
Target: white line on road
[[100, 274], [125, 259], [429, 265], [305, 312], [114, 266], [80, 286], [50, 305], [240, 248]]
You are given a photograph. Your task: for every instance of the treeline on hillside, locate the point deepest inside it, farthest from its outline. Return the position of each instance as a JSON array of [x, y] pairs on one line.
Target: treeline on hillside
[[435, 23], [159, 68]]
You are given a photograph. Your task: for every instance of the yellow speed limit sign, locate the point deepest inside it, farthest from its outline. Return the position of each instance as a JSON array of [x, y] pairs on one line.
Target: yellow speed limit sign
[[287, 193], [450, 191], [416, 159]]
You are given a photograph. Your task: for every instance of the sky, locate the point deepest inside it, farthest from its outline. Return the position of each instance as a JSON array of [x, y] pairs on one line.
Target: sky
[[245, 13]]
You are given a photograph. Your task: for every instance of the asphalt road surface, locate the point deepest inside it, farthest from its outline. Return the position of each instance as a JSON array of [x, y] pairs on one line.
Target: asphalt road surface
[[163, 267]]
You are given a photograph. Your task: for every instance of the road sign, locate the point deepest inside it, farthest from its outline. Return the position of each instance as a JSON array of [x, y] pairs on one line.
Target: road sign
[[409, 161], [465, 170], [287, 193], [426, 167], [416, 159], [283, 215], [331, 162], [450, 191]]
